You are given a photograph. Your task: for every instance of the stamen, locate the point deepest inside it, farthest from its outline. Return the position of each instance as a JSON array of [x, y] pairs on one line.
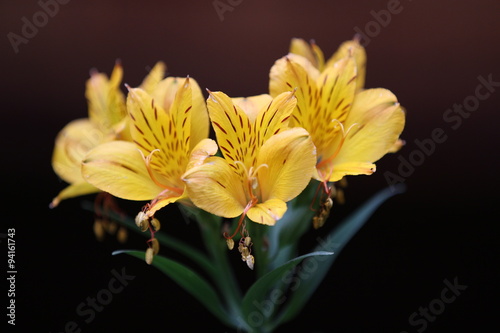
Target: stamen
[[243, 166], [244, 248], [315, 196], [264, 165]]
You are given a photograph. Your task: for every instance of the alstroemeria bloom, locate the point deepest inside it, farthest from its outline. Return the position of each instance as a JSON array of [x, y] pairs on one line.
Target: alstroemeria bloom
[[314, 54], [106, 109], [264, 163], [106, 122], [169, 129], [351, 128]]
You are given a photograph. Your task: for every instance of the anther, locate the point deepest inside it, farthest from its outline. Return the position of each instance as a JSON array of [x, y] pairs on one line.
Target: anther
[[244, 248], [142, 221], [122, 235], [230, 243], [155, 224], [99, 229], [149, 256], [250, 260], [155, 245]]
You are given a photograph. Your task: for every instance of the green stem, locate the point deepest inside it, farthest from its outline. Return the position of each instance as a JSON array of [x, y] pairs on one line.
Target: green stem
[[224, 277]]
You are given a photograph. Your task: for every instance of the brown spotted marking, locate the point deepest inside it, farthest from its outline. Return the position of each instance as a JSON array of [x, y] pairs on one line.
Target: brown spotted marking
[[352, 79], [219, 126], [145, 119]]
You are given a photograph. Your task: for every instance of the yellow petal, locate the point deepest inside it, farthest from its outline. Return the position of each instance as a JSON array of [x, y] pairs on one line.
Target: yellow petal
[[155, 75], [200, 124], [165, 91], [152, 129], [296, 72], [117, 167], [106, 101], [267, 212], [163, 201], [376, 121], [165, 94], [318, 55], [310, 51], [252, 105], [72, 191], [397, 146], [116, 76], [351, 168], [274, 118], [338, 86], [290, 157], [336, 89], [232, 128], [216, 188], [355, 49], [238, 138], [204, 149], [72, 143], [290, 72]]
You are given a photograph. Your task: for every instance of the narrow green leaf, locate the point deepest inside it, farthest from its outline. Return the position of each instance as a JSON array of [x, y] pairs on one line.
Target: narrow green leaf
[[261, 299], [188, 280], [306, 284]]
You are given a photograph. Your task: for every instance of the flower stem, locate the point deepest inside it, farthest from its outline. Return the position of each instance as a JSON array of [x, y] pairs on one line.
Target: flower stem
[[223, 277]]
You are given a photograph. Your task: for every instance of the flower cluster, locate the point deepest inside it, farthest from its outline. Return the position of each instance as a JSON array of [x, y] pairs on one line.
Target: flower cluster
[[317, 122]]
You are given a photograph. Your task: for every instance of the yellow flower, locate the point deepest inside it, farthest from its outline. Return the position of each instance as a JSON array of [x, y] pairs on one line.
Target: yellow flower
[[169, 129], [105, 122], [350, 127], [106, 107], [264, 163]]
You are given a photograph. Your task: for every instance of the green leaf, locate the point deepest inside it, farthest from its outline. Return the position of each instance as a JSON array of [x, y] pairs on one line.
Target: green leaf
[[188, 280], [306, 284], [262, 298]]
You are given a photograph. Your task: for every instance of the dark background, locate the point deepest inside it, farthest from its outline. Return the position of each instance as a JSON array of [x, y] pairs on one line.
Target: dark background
[[430, 55]]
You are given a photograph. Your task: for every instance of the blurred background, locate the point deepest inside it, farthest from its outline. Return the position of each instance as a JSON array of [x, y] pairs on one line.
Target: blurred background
[[435, 56]]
